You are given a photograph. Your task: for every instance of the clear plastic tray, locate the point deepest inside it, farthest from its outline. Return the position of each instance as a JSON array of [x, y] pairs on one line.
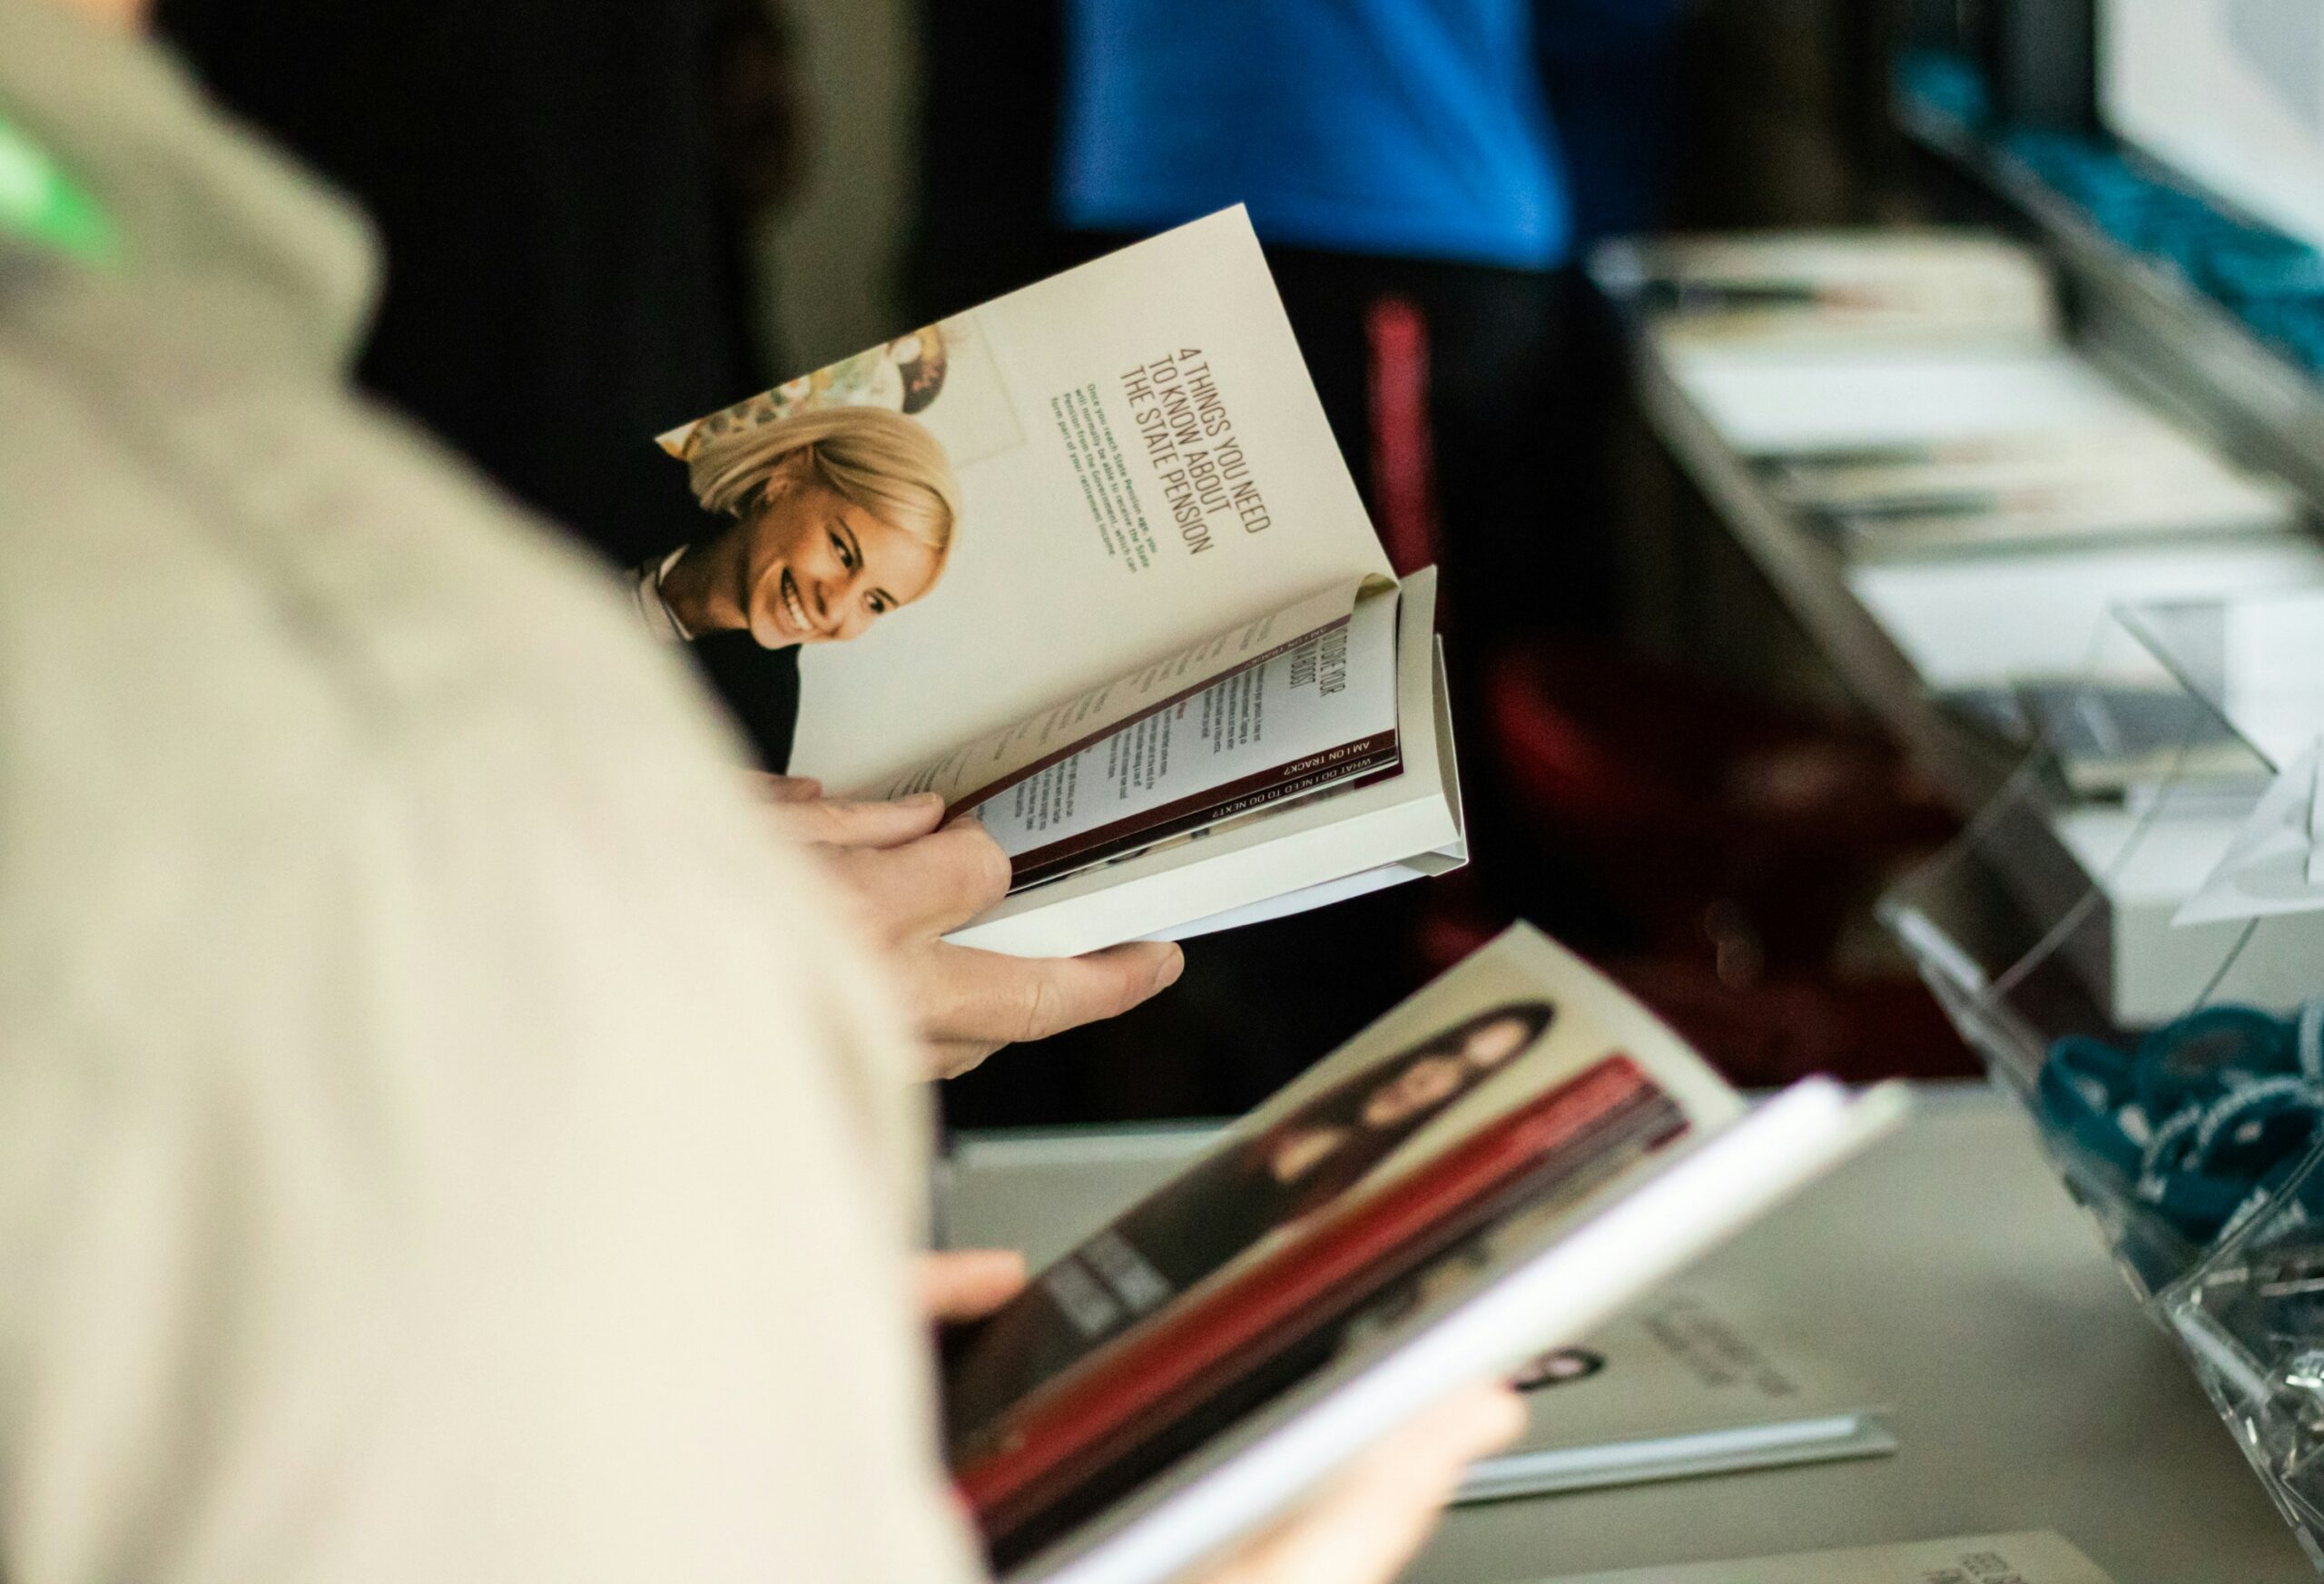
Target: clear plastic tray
[[2256, 662], [2006, 926]]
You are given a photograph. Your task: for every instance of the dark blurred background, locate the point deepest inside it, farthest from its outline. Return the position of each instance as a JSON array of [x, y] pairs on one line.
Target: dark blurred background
[[1660, 771], [604, 219]]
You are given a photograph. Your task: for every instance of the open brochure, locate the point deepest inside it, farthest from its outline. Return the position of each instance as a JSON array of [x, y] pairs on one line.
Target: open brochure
[[1691, 1382], [1497, 1165], [1146, 633], [2039, 1557]]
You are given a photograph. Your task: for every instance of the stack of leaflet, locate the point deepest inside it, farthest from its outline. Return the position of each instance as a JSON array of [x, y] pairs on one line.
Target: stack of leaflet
[[1692, 1383], [2147, 784], [2006, 1559], [2024, 648], [2113, 740], [2110, 740], [1909, 396], [1837, 289], [2206, 717], [1992, 498], [2137, 478]]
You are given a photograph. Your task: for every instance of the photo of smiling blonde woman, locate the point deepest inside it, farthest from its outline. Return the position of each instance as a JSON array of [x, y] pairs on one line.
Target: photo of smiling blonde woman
[[840, 516]]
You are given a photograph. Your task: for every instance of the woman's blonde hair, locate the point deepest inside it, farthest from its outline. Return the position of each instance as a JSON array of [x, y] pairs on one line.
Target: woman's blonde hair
[[881, 461]]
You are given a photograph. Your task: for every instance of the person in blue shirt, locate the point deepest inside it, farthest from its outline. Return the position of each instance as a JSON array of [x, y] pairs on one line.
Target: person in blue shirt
[[1402, 162], [1409, 166], [1423, 173], [1398, 128]]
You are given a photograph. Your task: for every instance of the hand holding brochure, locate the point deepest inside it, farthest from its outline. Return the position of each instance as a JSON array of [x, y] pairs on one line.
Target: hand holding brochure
[[1086, 561], [1493, 1167]]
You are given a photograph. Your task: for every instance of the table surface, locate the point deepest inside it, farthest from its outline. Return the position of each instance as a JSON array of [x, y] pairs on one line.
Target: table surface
[[2025, 1388]]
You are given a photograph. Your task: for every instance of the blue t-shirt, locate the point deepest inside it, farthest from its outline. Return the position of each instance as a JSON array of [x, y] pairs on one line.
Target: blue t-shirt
[[1407, 127]]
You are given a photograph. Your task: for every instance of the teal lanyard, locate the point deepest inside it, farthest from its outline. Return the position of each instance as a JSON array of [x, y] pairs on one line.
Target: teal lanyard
[[41, 204]]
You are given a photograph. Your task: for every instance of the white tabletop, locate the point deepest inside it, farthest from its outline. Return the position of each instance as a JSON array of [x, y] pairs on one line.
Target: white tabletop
[[2026, 1390]]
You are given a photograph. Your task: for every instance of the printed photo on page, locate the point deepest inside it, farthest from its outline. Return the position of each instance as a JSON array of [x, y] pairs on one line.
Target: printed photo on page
[[995, 539], [1468, 1054]]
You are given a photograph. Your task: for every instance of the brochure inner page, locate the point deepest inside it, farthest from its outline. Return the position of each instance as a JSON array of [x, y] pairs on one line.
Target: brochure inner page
[[1407, 822], [1098, 471], [1317, 715], [973, 771]]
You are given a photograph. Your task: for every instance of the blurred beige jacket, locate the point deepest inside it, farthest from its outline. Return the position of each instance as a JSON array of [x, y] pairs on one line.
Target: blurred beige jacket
[[441, 1135]]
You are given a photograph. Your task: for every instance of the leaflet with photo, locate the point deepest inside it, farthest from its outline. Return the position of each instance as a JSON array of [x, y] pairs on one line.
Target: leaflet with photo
[[1140, 462], [1030, 552], [1694, 1383], [1456, 1145]]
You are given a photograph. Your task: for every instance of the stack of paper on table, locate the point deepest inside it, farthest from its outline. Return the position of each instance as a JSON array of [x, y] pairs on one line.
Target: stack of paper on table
[[1848, 287], [2039, 1557], [2117, 740], [1910, 393], [1903, 452], [2000, 625], [1693, 1383], [2138, 479], [1829, 401], [2257, 658]]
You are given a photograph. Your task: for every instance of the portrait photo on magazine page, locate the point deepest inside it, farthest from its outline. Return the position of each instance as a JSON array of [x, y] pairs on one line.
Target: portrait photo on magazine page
[[834, 500], [1350, 1133], [969, 526]]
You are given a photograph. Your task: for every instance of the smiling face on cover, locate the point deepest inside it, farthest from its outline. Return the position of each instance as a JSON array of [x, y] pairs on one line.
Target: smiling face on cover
[[815, 568]]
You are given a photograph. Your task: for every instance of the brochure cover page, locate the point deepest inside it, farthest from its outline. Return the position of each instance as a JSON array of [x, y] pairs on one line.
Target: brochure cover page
[[1496, 1102]]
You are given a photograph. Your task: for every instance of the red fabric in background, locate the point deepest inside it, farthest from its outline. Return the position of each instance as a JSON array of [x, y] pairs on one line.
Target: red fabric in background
[[1736, 841], [1404, 446]]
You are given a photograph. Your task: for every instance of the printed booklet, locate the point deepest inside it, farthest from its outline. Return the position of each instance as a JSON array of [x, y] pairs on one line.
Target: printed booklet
[[2136, 479], [1496, 1167], [1796, 290], [1692, 1382], [1153, 643], [2038, 1558]]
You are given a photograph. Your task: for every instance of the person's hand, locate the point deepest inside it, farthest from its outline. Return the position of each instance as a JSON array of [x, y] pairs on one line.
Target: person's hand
[[1364, 1526], [958, 1285], [912, 881]]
